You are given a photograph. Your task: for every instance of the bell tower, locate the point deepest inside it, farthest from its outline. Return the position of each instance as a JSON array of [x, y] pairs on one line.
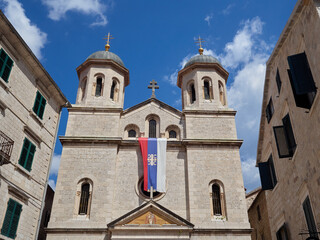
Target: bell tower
[[102, 79], [203, 83]]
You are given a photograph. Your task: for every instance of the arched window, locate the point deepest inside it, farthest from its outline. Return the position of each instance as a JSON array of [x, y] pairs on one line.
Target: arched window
[[192, 93], [172, 134], [99, 87], [222, 94], [112, 95], [83, 88], [152, 128], [84, 199], [206, 89], [132, 133], [216, 200]]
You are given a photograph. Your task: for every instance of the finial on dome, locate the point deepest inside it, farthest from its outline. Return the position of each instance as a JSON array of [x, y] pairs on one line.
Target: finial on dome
[[108, 37], [199, 41]]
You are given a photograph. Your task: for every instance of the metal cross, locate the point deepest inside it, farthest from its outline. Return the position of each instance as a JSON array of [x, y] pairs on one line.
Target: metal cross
[[108, 41], [153, 85], [200, 41]]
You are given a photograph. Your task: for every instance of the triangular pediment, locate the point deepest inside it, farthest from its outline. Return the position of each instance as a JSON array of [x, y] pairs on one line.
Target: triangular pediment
[[152, 214], [150, 101]]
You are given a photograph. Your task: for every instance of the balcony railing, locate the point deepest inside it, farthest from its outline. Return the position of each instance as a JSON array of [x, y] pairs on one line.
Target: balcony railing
[[6, 145]]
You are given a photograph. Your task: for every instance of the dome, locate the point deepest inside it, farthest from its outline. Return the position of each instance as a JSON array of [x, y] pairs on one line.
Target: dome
[[106, 55], [201, 59]]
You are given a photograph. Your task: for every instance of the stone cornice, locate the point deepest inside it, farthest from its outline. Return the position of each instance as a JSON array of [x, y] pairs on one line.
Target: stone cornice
[[75, 230], [79, 108], [223, 230], [128, 142], [211, 112]]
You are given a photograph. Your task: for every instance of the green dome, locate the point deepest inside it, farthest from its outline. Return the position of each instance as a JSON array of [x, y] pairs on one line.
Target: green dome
[[106, 55], [201, 59]]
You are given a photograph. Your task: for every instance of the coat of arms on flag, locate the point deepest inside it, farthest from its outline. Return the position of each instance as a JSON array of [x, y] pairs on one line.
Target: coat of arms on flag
[[153, 152]]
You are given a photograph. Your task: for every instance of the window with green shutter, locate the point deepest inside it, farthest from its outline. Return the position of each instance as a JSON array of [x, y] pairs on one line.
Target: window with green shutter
[[27, 154], [11, 220], [6, 64], [39, 105]]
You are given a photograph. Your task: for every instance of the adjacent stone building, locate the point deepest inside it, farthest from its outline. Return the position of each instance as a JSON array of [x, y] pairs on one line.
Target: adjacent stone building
[[98, 192], [288, 153], [30, 107], [258, 214]]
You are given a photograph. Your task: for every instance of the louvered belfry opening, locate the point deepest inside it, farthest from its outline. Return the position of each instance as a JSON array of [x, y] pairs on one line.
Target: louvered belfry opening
[[84, 199], [216, 200], [152, 128]]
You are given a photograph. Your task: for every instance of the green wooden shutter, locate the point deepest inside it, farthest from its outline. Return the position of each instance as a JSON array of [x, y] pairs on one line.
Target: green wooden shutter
[[11, 220], [27, 154], [24, 152], [42, 107], [39, 105], [29, 160], [6, 64]]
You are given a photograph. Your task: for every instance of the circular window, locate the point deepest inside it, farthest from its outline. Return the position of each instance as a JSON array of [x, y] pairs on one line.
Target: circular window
[[146, 194]]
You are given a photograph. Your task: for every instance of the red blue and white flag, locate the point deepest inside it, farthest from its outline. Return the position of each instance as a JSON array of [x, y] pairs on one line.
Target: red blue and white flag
[[153, 152]]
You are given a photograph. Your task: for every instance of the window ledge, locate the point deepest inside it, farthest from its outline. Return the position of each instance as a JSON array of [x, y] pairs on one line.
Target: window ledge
[[22, 170], [2, 237], [4, 85], [35, 136], [36, 118], [218, 218]]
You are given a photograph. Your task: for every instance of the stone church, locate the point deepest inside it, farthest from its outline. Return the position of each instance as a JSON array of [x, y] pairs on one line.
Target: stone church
[[99, 193]]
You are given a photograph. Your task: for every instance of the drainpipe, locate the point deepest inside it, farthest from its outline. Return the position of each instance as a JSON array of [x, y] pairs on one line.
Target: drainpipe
[[48, 174]]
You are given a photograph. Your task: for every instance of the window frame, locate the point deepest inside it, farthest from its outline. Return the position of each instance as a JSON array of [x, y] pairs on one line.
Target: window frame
[[28, 149], [285, 139], [4, 63], [268, 174], [279, 232], [309, 217], [278, 81]]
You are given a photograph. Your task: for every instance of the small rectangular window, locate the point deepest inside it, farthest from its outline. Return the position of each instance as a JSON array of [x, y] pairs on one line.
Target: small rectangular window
[[312, 227], [27, 154], [269, 110], [39, 105], [6, 64], [301, 79], [267, 174], [11, 219], [282, 233], [278, 80], [285, 140]]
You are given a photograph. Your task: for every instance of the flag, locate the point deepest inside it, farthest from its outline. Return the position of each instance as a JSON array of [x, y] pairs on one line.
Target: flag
[[153, 152]]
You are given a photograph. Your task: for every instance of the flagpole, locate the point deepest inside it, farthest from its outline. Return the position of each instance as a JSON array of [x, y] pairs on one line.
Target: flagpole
[[151, 193]]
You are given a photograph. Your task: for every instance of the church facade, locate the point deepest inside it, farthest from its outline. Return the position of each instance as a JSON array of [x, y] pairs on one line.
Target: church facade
[[99, 192]]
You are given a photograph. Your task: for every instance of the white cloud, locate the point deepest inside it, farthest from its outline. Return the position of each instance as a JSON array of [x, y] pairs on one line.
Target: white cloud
[[227, 10], [250, 174], [30, 33], [52, 184], [245, 57], [240, 50], [208, 18], [55, 164], [59, 8]]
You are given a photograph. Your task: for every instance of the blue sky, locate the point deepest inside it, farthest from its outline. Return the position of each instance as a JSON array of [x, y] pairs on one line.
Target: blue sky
[[154, 39]]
